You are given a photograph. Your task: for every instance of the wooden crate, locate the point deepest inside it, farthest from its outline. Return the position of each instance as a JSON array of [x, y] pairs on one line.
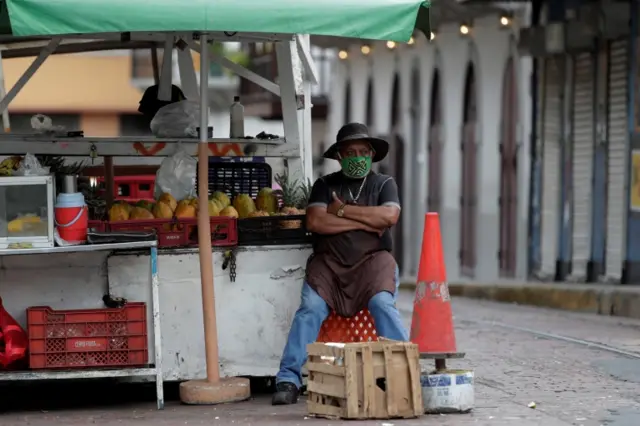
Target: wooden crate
[[369, 380]]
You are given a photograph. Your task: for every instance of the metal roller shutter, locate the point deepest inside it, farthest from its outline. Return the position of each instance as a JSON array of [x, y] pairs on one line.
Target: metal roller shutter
[[583, 146], [617, 154], [552, 136]]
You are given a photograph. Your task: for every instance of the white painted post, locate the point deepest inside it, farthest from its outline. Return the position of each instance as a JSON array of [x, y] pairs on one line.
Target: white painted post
[[166, 76], [292, 128], [304, 115]]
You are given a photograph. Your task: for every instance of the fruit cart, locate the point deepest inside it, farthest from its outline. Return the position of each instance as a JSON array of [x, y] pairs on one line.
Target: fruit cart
[[260, 247]]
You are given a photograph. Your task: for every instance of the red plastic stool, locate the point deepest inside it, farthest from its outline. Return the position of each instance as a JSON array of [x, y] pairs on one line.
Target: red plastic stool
[[358, 328]]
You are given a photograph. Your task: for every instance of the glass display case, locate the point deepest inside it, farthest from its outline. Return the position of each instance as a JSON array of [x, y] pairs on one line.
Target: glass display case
[[26, 212]]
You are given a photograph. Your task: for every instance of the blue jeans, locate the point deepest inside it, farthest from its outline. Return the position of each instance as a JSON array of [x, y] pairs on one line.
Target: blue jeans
[[311, 314]]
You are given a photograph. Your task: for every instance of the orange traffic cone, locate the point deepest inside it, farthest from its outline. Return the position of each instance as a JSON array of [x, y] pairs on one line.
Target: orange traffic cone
[[432, 322]]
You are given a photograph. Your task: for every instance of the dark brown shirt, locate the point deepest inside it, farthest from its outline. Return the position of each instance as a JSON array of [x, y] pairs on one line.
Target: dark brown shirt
[[349, 268]]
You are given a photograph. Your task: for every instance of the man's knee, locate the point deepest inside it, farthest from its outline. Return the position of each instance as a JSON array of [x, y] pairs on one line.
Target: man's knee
[[312, 302], [382, 300]]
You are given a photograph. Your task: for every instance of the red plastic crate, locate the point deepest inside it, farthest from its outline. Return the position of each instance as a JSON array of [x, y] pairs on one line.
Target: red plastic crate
[[132, 188], [183, 232], [87, 338], [358, 328]]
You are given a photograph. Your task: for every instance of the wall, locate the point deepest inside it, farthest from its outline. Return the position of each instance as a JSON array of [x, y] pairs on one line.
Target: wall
[[72, 83], [488, 48]]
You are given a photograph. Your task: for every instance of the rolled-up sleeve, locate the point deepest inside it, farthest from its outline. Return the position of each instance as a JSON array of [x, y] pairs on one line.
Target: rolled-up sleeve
[[389, 194], [319, 196]]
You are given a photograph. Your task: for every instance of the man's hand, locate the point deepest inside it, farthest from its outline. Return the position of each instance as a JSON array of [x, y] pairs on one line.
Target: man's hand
[[335, 204]]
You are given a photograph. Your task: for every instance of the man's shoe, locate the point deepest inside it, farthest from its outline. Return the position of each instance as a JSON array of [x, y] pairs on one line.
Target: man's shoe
[[286, 394]]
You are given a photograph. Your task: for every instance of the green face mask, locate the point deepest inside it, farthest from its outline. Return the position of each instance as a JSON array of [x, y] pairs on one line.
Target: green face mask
[[356, 167]]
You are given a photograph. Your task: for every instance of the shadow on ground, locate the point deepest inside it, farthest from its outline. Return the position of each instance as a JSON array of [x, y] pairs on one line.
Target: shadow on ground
[[96, 393]]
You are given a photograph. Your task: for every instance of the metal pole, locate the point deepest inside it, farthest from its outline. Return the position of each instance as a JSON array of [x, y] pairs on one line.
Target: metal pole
[[204, 226], [5, 114]]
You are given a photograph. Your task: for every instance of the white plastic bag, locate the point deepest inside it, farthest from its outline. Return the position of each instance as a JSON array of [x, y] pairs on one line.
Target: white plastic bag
[[43, 124], [177, 120], [177, 176], [30, 166]]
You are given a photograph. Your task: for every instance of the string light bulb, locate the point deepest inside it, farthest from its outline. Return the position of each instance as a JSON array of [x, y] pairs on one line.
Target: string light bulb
[[432, 36], [411, 41], [343, 54], [464, 30], [505, 21], [365, 49], [391, 44]]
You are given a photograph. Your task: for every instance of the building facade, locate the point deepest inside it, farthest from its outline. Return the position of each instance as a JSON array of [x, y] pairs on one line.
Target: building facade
[[456, 111]]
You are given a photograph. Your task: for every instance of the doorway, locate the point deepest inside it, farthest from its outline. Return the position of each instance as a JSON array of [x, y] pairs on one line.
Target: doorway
[[508, 199], [468, 198]]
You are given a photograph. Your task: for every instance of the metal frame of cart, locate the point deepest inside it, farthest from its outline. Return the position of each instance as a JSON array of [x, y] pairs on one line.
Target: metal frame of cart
[[156, 370]]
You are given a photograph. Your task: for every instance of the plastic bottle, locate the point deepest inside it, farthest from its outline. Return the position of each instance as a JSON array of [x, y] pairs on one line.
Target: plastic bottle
[[237, 119]]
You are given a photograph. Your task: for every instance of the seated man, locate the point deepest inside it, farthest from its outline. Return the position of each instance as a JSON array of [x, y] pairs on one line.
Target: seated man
[[351, 268]]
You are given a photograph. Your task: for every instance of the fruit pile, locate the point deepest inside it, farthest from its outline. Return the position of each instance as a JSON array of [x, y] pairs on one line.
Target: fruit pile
[[242, 207], [9, 165]]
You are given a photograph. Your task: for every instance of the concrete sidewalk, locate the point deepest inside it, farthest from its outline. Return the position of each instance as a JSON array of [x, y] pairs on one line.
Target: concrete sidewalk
[[612, 300]]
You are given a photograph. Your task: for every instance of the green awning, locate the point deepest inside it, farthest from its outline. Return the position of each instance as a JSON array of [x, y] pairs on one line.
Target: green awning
[[368, 19]]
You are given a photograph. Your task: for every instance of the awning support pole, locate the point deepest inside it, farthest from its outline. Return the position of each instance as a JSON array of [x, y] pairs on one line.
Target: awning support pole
[[204, 225], [155, 65], [291, 116], [166, 76], [304, 52], [188, 79], [6, 125], [30, 71]]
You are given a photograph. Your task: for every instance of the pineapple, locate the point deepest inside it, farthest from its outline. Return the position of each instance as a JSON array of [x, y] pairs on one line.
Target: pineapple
[[290, 194]]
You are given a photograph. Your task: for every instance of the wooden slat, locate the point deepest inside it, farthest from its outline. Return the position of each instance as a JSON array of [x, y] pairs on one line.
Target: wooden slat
[[369, 381], [415, 386], [320, 349], [324, 410], [321, 367], [392, 408], [351, 382], [330, 390]]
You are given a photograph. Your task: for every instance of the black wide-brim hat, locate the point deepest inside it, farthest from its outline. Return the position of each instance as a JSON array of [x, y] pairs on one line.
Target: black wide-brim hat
[[357, 132]]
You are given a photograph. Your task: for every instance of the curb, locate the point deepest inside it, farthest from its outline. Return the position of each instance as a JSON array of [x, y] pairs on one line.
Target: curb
[[621, 301]]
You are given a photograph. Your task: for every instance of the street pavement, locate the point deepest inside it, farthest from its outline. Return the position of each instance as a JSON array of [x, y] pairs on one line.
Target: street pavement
[[570, 365]]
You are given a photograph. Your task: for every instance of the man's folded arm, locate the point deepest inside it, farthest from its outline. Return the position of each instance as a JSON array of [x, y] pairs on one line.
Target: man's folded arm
[[382, 216], [321, 222]]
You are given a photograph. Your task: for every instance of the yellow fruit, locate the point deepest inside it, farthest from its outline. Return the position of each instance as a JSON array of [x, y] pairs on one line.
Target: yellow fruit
[[140, 213], [182, 204], [144, 204], [244, 205], [222, 198], [119, 212], [267, 200], [169, 200], [17, 225], [162, 210], [258, 213], [186, 210], [229, 211], [214, 208]]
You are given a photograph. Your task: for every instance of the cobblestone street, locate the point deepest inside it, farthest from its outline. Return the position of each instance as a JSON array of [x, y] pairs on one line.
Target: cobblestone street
[[515, 359]]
